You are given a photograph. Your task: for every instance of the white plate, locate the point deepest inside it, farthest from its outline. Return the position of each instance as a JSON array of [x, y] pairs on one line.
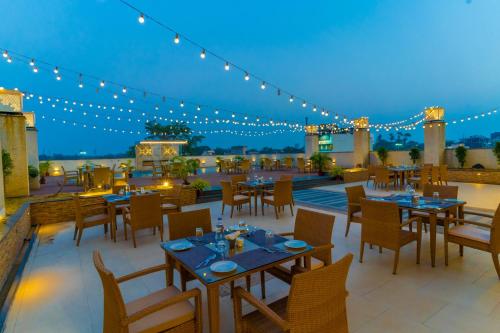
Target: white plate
[[295, 244], [223, 267], [181, 246]]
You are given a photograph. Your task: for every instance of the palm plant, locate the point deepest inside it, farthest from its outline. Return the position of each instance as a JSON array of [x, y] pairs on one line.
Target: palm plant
[[496, 151], [320, 162], [382, 154], [461, 154], [414, 155]]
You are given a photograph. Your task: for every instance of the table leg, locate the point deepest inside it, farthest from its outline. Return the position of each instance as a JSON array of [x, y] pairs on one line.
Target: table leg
[[213, 308], [433, 222], [169, 273], [461, 211], [113, 221], [255, 200]]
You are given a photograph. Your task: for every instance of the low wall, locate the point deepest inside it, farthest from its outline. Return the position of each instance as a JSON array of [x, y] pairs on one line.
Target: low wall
[[343, 159], [12, 236], [474, 156], [395, 157], [475, 176]]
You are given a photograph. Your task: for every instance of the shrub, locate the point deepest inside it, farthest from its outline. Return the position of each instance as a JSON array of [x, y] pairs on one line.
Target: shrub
[[32, 171], [200, 184], [414, 155], [382, 154], [7, 163], [496, 151], [320, 161], [461, 154], [336, 171], [44, 167]]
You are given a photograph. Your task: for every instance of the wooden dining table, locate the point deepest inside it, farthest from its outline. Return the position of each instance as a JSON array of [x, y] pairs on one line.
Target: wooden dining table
[[256, 187], [259, 253], [402, 173], [430, 206]]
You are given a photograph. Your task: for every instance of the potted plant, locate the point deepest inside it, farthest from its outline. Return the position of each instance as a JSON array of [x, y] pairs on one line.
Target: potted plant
[[44, 167], [496, 151], [200, 185], [414, 155], [320, 161], [181, 169], [193, 165], [382, 154], [218, 163], [33, 173], [336, 172], [127, 167], [461, 154], [261, 162], [7, 163]]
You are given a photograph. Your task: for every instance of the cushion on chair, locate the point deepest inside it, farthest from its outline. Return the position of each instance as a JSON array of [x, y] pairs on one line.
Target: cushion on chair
[[315, 264], [407, 236], [161, 320], [168, 206], [356, 217], [440, 216], [95, 218], [269, 198], [470, 232], [256, 322], [239, 197]]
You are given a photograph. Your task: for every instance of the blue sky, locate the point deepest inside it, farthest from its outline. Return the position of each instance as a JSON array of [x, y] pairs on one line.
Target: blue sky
[[382, 59]]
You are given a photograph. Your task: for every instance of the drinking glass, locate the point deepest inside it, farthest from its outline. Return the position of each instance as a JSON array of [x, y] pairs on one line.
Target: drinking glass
[[435, 196], [199, 232], [242, 224], [221, 248]]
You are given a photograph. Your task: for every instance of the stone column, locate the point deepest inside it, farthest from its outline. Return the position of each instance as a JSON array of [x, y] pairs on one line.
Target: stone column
[[361, 152], [32, 146], [13, 138], [312, 144], [434, 136], [2, 197]]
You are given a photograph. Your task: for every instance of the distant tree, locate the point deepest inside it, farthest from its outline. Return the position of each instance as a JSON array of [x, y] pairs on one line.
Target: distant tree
[[461, 154], [7, 163], [220, 151], [382, 154], [406, 136], [177, 131], [130, 152], [496, 151], [292, 150], [414, 155], [267, 150], [391, 137]]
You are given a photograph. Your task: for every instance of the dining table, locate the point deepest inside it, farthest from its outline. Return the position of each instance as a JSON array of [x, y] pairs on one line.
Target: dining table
[[402, 173], [431, 206], [256, 187], [200, 255]]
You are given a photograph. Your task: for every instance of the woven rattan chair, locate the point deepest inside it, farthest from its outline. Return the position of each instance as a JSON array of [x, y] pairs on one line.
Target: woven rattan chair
[[230, 198], [443, 174], [420, 181], [144, 212], [435, 175], [69, 176], [354, 195], [477, 235], [88, 216], [380, 225], [184, 224], [316, 303], [371, 175], [165, 310], [383, 178], [280, 197], [316, 229], [102, 178], [301, 165], [171, 200], [245, 166], [288, 162]]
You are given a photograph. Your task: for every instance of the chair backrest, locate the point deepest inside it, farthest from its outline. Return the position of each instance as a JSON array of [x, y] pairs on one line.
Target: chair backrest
[[424, 176], [245, 165], [316, 229], [236, 179], [288, 162], [355, 194], [317, 300], [495, 231], [380, 223], [443, 172], [371, 170], [184, 224], [102, 177], [114, 307], [145, 211], [227, 192], [174, 191], [286, 177], [62, 169], [78, 210], [283, 192], [301, 164], [445, 192], [381, 174], [267, 162], [435, 174]]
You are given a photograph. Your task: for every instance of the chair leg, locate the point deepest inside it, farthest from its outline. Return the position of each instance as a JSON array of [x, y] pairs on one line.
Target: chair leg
[[161, 231], [396, 261], [361, 251], [291, 209], [496, 263], [125, 229], [379, 249], [445, 250], [461, 250], [223, 205], [248, 279], [133, 238], [232, 288], [263, 284], [80, 232], [276, 212], [232, 209], [425, 227], [76, 231], [250, 206], [347, 227]]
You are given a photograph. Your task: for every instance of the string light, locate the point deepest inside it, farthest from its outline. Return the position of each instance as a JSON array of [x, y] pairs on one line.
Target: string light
[[181, 104], [304, 104], [5, 54], [247, 77], [226, 66], [177, 40], [9, 59], [263, 85], [32, 62], [141, 18], [102, 84], [56, 70], [203, 54], [291, 99], [58, 77], [35, 69], [315, 108]]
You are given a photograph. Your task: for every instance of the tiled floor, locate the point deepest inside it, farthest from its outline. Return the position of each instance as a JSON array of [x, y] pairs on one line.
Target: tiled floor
[[61, 292]]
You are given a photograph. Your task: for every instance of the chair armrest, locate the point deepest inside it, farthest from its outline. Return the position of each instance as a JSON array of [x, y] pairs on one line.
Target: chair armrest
[[88, 209], [240, 293], [142, 272], [411, 220], [480, 224], [193, 293], [166, 199], [354, 204], [323, 247], [468, 212], [267, 192], [284, 234]]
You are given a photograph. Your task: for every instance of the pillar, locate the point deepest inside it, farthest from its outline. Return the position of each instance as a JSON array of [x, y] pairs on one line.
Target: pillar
[[13, 138], [361, 152], [2, 197], [32, 146], [434, 136], [312, 144]]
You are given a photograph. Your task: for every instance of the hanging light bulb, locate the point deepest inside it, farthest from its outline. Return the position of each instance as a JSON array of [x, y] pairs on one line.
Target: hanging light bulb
[[35, 69], [247, 77], [203, 54], [182, 104], [304, 104], [315, 108], [58, 77], [177, 39], [233, 115], [336, 116], [124, 90], [216, 112], [263, 85], [5, 54], [291, 99], [9, 60], [226, 66], [141, 18], [131, 101], [32, 62], [56, 70], [198, 108], [115, 95], [258, 119], [102, 83]]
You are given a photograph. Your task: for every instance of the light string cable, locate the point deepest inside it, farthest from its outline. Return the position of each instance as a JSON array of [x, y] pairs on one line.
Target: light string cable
[[264, 84], [122, 89]]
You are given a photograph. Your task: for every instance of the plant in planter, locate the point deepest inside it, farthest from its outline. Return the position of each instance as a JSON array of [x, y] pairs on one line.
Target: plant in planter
[[44, 171], [382, 154], [33, 173], [200, 185], [336, 172], [461, 154], [193, 165], [182, 169], [496, 151], [218, 163], [7, 163], [261, 162], [320, 162], [414, 155], [128, 168]]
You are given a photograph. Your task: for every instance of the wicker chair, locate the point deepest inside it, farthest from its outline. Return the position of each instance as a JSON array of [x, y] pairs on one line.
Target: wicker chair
[[70, 175], [354, 195], [371, 175], [301, 165], [284, 177], [88, 216], [230, 198], [383, 177], [420, 181], [435, 175], [166, 310], [144, 212], [171, 200], [102, 178], [280, 197], [245, 166], [443, 174], [288, 162], [380, 225], [316, 229], [477, 235], [316, 303]]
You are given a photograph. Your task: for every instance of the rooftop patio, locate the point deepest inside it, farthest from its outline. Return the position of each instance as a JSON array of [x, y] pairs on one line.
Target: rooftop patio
[[61, 291]]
